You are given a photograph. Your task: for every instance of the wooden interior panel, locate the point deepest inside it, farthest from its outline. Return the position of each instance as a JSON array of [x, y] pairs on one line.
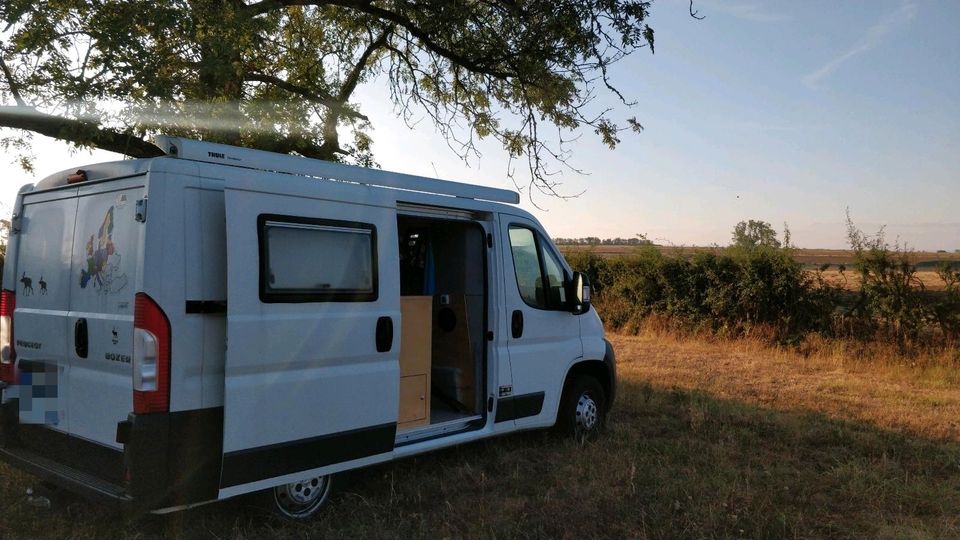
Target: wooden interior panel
[[416, 331], [415, 334], [414, 402]]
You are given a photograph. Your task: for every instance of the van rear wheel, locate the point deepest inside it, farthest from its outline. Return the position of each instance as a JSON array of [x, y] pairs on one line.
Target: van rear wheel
[[583, 409], [301, 500]]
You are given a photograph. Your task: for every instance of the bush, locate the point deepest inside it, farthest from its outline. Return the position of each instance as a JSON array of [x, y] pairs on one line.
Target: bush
[[892, 301], [732, 292]]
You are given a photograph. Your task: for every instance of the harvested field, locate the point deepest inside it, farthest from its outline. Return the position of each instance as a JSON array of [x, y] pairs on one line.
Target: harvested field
[[850, 279], [809, 257]]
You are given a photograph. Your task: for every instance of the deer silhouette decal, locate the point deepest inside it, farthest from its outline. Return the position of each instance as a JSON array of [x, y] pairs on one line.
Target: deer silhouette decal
[[27, 284], [43, 286]]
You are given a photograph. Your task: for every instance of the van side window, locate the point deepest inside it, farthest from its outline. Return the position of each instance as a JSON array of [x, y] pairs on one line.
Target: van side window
[[540, 276], [311, 260]]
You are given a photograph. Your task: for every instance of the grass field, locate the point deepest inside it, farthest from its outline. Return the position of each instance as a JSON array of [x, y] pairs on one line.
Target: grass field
[[707, 439]]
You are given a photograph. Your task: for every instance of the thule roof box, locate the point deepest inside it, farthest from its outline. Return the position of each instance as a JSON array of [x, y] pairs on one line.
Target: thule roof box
[[270, 161]]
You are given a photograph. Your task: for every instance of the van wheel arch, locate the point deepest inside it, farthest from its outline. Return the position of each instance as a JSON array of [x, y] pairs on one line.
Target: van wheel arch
[[599, 370]]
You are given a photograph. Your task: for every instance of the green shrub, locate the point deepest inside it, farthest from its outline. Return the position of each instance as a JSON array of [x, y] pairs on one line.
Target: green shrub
[[892, 302], [733, 292]]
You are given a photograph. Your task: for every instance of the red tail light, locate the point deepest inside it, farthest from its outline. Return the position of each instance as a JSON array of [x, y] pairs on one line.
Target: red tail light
[[8, 355], [151, 357]]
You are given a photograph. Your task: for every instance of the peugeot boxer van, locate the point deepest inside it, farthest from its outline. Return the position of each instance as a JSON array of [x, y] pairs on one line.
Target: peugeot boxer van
[[221, 321]]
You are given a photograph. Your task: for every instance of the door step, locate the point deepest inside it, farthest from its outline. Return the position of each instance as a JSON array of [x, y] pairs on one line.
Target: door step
[[435, 430]]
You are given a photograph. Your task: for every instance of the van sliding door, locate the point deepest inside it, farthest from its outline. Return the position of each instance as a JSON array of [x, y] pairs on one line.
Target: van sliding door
[[313, 326]]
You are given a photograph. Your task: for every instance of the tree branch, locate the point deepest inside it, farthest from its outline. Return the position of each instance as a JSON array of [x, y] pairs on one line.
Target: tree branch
[[80, 132], [350, 84], [12, 84], [330, 102], [365, 6], [331, 139]]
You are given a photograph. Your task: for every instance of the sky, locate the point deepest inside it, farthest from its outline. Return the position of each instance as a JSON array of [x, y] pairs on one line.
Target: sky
[[786, 112]]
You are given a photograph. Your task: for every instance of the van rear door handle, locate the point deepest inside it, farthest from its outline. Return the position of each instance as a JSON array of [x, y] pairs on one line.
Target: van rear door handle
[[516, 324], [384, 334], [80, 341]]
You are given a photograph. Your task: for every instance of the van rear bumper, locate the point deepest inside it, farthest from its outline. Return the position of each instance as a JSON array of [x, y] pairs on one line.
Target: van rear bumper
[[86, 468], [168, 459]]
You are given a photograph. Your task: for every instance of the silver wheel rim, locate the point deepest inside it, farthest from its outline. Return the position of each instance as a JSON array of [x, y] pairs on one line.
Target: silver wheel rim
[[302, 498], [588, 415]]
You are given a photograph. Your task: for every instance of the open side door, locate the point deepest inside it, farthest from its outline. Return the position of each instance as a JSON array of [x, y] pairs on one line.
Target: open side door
[[313, 333]]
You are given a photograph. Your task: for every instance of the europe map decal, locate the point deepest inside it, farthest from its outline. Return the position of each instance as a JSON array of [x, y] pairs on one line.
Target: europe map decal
[[102, 270]]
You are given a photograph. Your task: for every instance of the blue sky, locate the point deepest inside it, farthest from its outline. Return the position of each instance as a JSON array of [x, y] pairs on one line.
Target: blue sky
[[780, 111]]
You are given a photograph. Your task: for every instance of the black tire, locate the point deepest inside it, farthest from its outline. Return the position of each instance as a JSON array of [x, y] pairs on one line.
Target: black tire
[[583, 409], [299, 501]]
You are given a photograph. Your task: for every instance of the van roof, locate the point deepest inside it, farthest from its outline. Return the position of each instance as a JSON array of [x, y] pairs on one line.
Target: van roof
[[99, 171], [233, 156]]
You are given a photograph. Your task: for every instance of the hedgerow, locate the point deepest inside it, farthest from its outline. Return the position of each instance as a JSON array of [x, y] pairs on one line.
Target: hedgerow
[[761, 289]]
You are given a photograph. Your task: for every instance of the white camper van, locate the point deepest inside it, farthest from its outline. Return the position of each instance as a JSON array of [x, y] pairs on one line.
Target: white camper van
[[220, 320]]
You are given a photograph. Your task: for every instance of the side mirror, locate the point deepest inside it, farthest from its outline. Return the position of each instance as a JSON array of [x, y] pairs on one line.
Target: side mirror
[[580, 294]]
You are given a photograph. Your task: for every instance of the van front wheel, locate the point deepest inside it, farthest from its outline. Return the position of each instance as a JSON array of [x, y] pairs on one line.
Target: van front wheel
[[303, 499], [582, 413]]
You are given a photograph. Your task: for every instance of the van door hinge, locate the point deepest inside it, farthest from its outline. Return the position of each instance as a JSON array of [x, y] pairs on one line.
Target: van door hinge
[[140, 214], [15, 223], [489, 240]]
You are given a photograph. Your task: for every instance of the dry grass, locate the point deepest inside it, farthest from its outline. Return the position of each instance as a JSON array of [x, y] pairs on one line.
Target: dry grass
[[728, 439], [889, 393]]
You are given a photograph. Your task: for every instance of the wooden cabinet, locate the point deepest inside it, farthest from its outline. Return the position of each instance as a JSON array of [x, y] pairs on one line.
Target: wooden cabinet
[[416, 327]]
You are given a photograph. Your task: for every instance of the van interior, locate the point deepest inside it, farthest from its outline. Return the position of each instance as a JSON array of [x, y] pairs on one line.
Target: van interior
[[443, 296]]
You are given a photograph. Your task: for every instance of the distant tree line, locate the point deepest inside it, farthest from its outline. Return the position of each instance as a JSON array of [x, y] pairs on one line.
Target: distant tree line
[[594, 241]]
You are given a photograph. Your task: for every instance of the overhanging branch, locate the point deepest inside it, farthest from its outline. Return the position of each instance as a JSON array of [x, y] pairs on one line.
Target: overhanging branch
[[331, 140], [367, 7], [81, 132], [14, 89], [327, 101]]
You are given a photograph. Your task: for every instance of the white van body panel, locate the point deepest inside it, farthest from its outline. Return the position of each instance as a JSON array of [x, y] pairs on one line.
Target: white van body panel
[[299, 370], [550, 338], [205, 275]]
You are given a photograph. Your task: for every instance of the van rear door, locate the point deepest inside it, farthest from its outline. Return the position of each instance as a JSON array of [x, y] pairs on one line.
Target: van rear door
[[78, 255], [106, 258], [313, 326], [42, 287]]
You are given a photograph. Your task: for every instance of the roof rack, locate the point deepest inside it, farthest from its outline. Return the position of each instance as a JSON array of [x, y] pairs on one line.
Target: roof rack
[[271, 161]]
